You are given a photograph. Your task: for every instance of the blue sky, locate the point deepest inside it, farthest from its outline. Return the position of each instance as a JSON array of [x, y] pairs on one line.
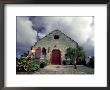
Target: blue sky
[[80, 29]]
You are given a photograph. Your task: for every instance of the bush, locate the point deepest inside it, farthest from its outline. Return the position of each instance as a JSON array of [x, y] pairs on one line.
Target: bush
[[43, 63], [71, 62], [67, 62], [34, 66], [64, 62], [26, 65], [29, 64], [91, 62], [21, 64]]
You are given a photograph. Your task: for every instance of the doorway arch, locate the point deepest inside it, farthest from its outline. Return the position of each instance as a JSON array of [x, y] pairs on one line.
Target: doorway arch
[[56, 57]]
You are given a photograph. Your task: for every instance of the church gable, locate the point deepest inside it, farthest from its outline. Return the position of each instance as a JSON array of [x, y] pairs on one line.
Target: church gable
[[57, 38]]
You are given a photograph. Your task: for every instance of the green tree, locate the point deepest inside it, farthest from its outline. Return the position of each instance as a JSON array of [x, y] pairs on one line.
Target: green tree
[[74, 53], [81, 55]]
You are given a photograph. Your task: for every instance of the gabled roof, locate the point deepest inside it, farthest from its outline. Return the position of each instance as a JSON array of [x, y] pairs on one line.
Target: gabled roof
[[58, 32]]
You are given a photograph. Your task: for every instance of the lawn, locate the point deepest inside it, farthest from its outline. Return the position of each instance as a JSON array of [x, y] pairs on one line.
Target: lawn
[[85, 69]]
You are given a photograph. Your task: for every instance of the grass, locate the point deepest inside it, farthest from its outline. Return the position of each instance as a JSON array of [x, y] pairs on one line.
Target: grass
[[85, 69]]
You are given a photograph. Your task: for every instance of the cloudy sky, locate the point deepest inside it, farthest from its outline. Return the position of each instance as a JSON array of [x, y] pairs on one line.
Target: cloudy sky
[[80, 29]]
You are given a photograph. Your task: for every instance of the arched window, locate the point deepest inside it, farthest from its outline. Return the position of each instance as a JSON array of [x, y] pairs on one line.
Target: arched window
[[43, 51]]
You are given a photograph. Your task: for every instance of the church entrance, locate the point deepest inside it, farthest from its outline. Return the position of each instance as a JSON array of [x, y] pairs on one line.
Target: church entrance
[[56, 57]]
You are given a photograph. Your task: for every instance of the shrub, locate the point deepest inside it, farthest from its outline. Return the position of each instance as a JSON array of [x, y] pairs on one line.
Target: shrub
[[91, 62], [21, 65], [26, 65], [29, 64], [43, 63], [71, 62], [66, 62], [33, 66]]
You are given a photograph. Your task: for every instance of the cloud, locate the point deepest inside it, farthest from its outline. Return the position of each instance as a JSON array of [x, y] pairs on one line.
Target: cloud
[[26, 36], [79, 29]]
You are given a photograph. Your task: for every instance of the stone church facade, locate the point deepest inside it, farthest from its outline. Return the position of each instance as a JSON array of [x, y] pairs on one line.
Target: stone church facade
[[53, 47]]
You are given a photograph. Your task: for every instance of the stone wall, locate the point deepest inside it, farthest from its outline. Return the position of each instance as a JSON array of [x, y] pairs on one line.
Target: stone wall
[[50, 43]]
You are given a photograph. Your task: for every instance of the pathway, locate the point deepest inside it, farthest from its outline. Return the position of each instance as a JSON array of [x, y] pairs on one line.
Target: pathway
[[64, 69]]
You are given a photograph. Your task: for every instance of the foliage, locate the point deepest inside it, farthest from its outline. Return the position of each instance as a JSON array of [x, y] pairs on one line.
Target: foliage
[[29, 64], [26, 65], [91, 62], [66, 62], [81, 56], [81, 53], [34, 66], [76, 55], [43, 63], [71, 53]]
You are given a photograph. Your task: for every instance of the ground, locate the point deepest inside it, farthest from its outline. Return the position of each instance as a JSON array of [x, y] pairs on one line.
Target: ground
[[65, 69]]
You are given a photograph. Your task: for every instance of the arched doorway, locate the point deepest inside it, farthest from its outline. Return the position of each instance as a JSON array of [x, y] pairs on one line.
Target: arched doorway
[[56, 57]]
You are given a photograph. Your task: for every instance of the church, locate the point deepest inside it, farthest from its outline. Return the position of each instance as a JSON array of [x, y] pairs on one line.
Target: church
[[53, 47]]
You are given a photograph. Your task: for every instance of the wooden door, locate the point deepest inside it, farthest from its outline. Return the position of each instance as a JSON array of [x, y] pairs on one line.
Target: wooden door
[[56, 57], [38, 53]]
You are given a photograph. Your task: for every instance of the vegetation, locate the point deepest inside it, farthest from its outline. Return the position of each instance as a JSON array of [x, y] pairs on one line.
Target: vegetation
[[91, 62], [76, 56], [81, 56], [66, 62], [33, 66], [25, 64], [85, 69], [43, 63]]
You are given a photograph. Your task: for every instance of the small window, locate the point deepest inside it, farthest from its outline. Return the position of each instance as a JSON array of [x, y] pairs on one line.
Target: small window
[[56, 37]]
